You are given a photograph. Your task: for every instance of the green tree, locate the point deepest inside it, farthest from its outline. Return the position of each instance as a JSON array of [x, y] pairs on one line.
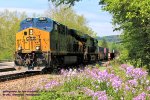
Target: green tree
[[9, 25], [104, 43], [68, 17], [59, 2], [133, 19]]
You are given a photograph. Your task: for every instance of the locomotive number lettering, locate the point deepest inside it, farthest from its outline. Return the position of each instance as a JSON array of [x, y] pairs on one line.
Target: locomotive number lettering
[[30, 38]]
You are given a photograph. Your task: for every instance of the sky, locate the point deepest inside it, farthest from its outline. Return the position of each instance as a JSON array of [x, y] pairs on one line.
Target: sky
[[98, 20]]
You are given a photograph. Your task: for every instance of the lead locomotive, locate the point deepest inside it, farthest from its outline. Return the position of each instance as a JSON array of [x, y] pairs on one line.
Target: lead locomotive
[[45, 43]]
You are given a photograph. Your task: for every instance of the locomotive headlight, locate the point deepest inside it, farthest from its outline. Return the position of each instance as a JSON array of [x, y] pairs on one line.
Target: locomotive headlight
[[19, 48], [31, 31], [37, 48]]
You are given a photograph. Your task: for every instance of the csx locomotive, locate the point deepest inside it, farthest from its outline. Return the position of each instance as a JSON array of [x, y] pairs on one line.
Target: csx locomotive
[[45, 43]]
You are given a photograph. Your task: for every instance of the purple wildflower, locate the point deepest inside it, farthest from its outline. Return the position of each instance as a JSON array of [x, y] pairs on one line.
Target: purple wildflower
[[116, 84], [127, 88], [64, 72], [147, 82], [101, 95], [124, 66], [141, 96], [138, 73], [133, 90], [69, 73], [111, 76], [103, 76], [92, 74], [129, 71], [148, 88], [39, 84], [51, 84], [133, 82], [88, 92]]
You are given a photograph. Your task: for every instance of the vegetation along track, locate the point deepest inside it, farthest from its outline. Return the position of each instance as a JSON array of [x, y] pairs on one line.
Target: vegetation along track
[[16, 75]]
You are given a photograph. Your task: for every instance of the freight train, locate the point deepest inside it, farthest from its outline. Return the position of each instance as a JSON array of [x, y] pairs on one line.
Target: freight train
[[44, 43]]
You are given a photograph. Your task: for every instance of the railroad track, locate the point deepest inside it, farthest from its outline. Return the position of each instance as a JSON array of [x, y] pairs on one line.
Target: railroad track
[[8, 72], [6, 76], [7, 66], [11, 75], [7, 69]]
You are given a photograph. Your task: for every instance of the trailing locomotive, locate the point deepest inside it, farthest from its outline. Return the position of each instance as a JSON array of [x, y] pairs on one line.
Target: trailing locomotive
[[45, 43], [104, 54]]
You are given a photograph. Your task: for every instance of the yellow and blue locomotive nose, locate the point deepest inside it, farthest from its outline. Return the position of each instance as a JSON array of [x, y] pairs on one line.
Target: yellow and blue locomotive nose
[[32, 40], [31, 44]]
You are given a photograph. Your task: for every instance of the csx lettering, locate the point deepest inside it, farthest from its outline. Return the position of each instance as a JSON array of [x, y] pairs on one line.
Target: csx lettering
[[30, 38]]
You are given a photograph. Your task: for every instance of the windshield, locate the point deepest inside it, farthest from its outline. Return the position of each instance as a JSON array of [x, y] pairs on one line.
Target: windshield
[[44, 25], [25, 25]]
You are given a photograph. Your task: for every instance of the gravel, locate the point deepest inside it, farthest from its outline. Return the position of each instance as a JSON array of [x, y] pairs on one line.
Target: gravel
[[25, 84]]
